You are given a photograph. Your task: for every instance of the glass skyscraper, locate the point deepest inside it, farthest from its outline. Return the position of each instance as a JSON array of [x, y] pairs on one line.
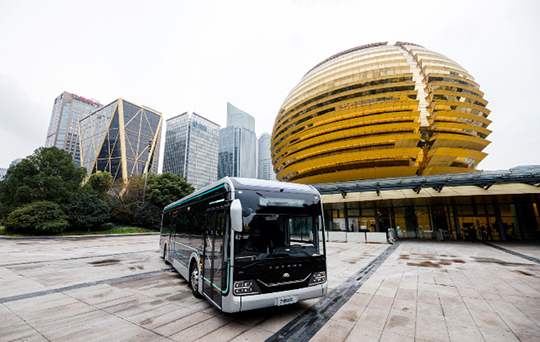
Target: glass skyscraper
[[191, 149], [238, 145], [63, 129], [265, 169], [121, 138]]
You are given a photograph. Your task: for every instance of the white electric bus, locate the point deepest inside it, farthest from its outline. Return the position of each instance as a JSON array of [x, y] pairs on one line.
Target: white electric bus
[[245, 244]]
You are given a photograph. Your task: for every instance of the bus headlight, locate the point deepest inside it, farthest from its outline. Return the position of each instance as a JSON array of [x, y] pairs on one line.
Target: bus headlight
[[317, 278], [246, 287]]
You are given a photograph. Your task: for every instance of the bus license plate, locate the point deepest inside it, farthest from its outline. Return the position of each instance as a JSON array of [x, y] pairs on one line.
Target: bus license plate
[[287, 300]]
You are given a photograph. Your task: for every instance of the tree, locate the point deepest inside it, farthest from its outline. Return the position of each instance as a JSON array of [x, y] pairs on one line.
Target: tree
[[49, 174], [41, 217], [148, 215], [167, 188], [100, 183], [86, 210]]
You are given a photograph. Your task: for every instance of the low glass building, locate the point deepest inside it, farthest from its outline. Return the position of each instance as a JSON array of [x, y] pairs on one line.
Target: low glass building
[[494, 205], [121, 138]]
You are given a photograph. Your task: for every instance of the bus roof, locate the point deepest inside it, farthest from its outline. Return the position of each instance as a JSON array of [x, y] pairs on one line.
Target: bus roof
[[243, 183]]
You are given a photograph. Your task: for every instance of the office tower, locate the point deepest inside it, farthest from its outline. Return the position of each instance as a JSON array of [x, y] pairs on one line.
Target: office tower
[[63, 129], [191, 149], [265, 169], [121, 138], [238, 145]]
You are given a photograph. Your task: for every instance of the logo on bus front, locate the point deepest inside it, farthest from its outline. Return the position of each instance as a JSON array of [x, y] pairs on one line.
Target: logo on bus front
[[286, 275]]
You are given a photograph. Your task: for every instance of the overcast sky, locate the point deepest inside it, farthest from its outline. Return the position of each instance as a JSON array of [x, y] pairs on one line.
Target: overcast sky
[[177, 56]]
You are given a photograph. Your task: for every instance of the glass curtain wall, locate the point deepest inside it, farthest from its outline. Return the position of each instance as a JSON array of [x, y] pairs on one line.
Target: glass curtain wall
[[483, 218]]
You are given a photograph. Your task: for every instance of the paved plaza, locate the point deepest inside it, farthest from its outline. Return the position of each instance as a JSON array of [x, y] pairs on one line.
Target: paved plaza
[[119, 289]]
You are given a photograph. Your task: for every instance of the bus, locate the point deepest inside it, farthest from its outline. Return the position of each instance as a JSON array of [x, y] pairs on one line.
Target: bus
[[244, 244]]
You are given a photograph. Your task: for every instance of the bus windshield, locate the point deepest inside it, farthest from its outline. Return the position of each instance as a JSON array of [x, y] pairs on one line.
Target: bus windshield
[[278, 227]]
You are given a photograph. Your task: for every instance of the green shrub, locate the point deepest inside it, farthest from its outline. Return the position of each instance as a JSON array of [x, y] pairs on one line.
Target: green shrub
[[42, 217], [148, 215], [85, 210]]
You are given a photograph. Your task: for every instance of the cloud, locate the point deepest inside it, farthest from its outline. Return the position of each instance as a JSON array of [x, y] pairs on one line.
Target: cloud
[[23, 125]]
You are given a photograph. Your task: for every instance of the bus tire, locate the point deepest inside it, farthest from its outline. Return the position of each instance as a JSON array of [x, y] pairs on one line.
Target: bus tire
[[194, 280], [164, 255]]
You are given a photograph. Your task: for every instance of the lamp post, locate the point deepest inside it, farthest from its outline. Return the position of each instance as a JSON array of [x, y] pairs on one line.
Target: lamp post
[[148, 167]]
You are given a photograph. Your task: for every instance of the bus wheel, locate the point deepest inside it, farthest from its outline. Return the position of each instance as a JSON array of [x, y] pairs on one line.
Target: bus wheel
[[194, 280]]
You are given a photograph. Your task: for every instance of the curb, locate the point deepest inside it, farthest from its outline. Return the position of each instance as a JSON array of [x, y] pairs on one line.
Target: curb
[[68, 237]]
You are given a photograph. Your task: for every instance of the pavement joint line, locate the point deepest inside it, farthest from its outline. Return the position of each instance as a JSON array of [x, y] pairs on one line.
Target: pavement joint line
[[77, 258], [509, 251], [80, 286], [308, 323]]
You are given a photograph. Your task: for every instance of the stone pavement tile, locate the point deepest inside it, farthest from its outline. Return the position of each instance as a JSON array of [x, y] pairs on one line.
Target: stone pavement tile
[[199, 330], [400, 324], [516, 320], [459, 315], [29, 305], [428, 310], [527, 338], [333, 330], [43, 319], [225, 333], [469, 292], [86, 330], [381, 303], [252, 334], [12, 327], [530, 308], [428, 297], [371, 286], [161, 319], [128, 334], [404, 306], [183, 323], [281, 317], [373, 319], [359, 333], [352, 310], [147, 315], [142, 304], [498, 335], [388, 336], [406, 294], [460, 333], [432, 329]]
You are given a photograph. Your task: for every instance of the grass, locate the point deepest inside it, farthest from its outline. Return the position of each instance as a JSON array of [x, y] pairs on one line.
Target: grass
[[114, 230]]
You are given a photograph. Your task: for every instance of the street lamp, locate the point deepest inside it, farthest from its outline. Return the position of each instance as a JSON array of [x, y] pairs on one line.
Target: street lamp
[[147, 167]]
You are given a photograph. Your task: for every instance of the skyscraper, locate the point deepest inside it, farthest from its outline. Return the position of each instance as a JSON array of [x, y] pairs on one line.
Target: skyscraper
[[265, 169], [63, 129], [238, 145], [191, 149], [121, 138]]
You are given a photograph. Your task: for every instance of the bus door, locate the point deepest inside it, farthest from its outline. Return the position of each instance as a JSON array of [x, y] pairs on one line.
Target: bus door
[[214, 268]]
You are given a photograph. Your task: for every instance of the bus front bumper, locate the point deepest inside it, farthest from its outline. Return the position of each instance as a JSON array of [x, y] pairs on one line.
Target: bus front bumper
[[246, 303]]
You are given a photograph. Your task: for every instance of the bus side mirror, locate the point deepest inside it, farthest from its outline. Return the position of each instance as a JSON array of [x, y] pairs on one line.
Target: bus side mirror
[[236, 215]]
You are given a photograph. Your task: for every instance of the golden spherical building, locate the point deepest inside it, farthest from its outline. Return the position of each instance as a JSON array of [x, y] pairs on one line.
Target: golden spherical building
[[378, 111]]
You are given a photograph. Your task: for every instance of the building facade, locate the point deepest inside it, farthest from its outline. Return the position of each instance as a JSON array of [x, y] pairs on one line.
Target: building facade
[[191, 149], [491, 205], [121, 138], [378, 111], [63, 129], [265, 169], [237, 145]]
